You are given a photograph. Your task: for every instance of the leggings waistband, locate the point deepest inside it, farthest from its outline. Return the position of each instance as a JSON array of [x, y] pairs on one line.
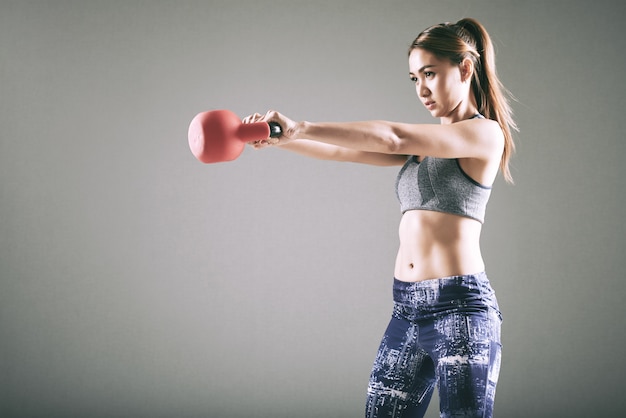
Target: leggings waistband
[[446, 292]]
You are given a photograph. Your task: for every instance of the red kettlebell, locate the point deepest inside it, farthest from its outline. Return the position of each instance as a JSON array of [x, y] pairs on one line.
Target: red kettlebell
[[219, 135]]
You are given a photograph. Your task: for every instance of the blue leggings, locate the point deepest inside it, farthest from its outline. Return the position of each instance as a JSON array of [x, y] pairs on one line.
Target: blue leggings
[[443, 332]]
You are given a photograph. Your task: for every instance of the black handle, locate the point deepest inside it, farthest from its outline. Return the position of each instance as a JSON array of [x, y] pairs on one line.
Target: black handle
[[275, 129]]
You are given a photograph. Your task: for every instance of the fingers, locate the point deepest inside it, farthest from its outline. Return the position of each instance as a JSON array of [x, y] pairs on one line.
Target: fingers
[[261, 144], [270, 115], [257, 144], [264, 143], [256, 117]]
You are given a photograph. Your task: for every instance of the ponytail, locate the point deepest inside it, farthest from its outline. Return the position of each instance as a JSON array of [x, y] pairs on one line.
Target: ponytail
[[468, 39]]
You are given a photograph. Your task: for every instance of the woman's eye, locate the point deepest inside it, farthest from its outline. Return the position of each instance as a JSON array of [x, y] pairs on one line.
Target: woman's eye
[[414, 79], [429, 74]]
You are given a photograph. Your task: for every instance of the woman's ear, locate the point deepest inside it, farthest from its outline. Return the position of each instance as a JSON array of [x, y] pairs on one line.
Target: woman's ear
[[467, 69]]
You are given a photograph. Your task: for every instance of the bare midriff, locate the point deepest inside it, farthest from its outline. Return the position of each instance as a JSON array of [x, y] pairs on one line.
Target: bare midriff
[[435, 245]]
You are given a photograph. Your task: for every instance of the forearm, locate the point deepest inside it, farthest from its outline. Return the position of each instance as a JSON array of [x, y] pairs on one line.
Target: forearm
[[323, 151], [313, 149], [372, 136]]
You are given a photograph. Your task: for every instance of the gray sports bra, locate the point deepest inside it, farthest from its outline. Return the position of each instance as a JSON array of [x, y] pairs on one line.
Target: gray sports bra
[[441, 185]]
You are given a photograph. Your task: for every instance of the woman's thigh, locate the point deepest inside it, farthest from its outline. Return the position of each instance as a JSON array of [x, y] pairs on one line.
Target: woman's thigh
[[403, 375], [467, 355]]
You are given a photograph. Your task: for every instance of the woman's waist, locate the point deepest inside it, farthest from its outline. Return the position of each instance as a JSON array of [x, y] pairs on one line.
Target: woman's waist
[[430, 248], [467, 293], [436, 288], [418, 261]]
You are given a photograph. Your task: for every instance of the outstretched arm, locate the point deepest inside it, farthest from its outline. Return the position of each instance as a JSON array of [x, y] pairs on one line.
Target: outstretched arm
[[331, 152], [326, 151], [475, 138]]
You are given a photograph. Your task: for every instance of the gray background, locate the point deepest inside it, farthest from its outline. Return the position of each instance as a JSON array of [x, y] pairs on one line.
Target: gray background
[[136, 281]]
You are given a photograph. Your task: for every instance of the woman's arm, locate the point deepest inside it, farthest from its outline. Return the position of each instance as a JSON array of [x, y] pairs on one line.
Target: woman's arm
[[474, 138], [324, 151], [331, 152]]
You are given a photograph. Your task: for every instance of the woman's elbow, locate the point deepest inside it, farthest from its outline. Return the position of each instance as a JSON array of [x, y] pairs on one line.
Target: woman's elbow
[[394, 144]]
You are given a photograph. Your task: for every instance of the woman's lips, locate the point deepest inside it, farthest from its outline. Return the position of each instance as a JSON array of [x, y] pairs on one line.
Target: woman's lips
[[429, 104]]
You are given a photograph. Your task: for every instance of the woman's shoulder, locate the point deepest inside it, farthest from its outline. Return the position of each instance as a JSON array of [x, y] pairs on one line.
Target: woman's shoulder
[[484, 132]]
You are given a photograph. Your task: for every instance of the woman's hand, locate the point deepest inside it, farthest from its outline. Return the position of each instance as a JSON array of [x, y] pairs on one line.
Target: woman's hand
[[288, 128]]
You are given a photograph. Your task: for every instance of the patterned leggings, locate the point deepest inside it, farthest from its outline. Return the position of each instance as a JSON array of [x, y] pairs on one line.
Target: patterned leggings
[[444, 331]]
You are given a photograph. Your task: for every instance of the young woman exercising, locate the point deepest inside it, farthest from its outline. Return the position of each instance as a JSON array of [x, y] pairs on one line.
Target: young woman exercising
[[445, 325]]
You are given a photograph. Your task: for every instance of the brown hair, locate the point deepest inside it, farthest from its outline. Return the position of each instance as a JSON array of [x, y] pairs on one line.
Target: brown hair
[[467, 38]]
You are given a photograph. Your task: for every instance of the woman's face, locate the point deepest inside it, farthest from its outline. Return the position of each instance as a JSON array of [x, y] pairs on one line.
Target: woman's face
[[441, 85]]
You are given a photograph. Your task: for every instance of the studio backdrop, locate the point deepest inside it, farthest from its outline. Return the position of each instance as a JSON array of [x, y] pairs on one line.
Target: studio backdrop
[[136, 281]]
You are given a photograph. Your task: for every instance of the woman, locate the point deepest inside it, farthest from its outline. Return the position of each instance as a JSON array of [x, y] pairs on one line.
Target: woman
[[445, 326]]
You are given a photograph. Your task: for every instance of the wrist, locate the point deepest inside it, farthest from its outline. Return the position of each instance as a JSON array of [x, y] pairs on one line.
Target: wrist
[[301, 129]]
